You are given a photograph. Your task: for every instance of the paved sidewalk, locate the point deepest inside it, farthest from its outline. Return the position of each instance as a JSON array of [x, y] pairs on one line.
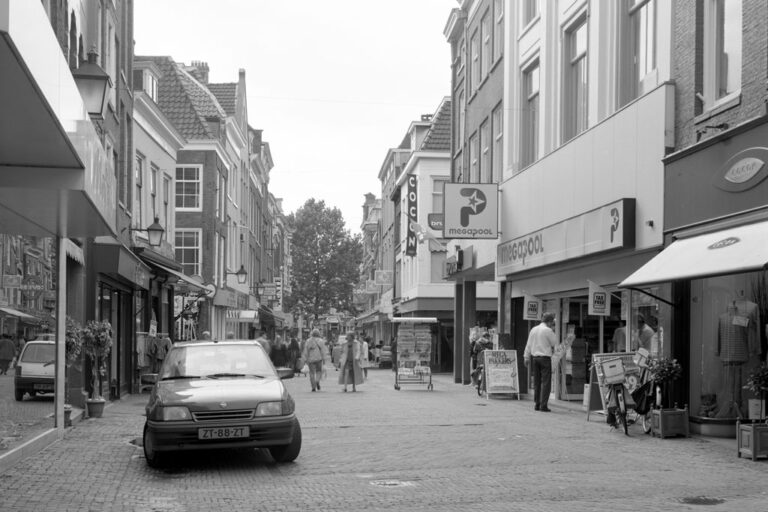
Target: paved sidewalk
[[381, 449]]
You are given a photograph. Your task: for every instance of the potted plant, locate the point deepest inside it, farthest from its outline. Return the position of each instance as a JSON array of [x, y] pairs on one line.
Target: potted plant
[[752, 436], [667, 419], [73, 348], [97, 344]]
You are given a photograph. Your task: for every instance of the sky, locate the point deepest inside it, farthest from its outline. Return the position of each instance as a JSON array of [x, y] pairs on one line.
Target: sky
[[333, 84]]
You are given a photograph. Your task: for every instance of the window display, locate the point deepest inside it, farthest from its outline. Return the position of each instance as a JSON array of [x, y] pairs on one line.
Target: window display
[[728, 340]]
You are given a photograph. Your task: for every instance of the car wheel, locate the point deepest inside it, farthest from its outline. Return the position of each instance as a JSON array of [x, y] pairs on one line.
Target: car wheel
[[288, 452], [154, 458], [18, 394]]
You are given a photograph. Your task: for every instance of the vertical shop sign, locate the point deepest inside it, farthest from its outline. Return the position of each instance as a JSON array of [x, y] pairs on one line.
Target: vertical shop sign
[[411, 240], [599, 304], [531, 308]]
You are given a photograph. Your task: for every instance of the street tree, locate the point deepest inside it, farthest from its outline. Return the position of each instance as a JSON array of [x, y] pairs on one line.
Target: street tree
[[326, 260]]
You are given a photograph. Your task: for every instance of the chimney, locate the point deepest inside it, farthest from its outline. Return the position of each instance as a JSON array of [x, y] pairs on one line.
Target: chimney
[[200, 71]]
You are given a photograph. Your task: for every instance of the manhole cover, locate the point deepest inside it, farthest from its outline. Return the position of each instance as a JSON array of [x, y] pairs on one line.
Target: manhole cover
[[392, 483], [702, 500]]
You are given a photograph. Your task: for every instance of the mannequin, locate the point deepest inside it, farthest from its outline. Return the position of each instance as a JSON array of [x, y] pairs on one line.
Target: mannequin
[[738, 339]]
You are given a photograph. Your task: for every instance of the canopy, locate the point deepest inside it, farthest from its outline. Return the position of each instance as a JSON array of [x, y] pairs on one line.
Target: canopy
[[729, 251], [247, 316], [414, 320], [19, 314]]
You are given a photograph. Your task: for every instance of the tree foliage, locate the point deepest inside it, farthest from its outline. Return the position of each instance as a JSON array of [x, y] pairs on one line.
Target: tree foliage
[[326, 259]]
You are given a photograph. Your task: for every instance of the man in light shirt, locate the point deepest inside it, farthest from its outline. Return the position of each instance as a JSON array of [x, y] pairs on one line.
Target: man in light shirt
[[538, 359]]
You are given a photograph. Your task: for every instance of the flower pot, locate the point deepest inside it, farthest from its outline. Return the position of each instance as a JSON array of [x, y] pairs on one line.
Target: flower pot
[[669, 422], [95, 407], [752, 440]]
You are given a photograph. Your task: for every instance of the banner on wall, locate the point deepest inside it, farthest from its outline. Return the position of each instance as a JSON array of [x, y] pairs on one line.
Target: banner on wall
[[412, 241], [531, 308], [599, 301]]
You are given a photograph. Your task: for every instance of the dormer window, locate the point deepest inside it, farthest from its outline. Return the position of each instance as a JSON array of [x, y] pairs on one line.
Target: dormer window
[[150, 85], [145, 78]]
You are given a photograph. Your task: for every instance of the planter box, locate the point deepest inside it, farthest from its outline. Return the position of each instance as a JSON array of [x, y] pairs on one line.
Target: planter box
[[669, 422], [752, 440]]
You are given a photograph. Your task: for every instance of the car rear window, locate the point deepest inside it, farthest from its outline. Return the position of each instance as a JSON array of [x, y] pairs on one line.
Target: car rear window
[[202, 360], [38, 353]]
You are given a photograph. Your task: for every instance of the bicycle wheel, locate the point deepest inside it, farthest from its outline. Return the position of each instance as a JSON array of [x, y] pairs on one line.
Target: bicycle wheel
[[480, 386], [621, 407], [647, 422]]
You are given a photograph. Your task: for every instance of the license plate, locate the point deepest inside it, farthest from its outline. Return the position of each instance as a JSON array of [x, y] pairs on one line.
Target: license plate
[[223, 433], [44, 387]]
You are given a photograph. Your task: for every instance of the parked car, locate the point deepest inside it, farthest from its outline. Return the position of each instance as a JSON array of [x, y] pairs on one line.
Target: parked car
[[46, 337], [220, 394], [35, 369]]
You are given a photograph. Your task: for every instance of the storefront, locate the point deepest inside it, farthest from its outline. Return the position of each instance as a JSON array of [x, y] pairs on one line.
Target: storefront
[[57, 178], [551, 270], [714, 261]]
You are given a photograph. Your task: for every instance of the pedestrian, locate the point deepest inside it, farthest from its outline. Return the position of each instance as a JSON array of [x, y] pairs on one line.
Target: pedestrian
[[481, 345], [350, 371], [7, 353], [365, 361], [262, 339], [294, 355], [538, 358], [393, 352], [206, 335], [230, 335], [279, 352], [315, 353]]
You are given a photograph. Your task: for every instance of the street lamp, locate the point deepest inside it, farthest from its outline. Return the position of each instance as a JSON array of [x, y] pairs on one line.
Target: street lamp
[[154, 233], [93, 84], [258, 288], [242, 275]]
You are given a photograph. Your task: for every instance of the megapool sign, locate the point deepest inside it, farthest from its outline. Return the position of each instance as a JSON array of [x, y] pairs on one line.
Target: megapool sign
[[606, 228], [471, 210]]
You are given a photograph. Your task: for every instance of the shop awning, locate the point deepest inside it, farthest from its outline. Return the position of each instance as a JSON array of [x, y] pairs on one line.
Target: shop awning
[[242, 316], [414, 320], [186, 281], [730, 251], [19, 314]]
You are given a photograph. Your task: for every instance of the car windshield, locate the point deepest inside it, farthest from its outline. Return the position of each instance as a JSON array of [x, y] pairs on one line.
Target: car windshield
[[39, 353], [214, 361]]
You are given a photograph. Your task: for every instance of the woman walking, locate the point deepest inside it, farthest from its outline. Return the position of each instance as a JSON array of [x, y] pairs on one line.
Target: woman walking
[[350, 371]]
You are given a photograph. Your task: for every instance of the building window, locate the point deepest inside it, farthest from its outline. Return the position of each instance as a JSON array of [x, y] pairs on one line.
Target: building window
[[151, 86], [138, 179], [474, 160], [530, 11], [188, 251], [498, 30], [642, 14], [166, 201], [474, 71], [486, 172], [460, 117], [188, 188], [154, 170], [576, 83], [498, 136], [438, 186], [487, 44], [529, 131], [722, 50]]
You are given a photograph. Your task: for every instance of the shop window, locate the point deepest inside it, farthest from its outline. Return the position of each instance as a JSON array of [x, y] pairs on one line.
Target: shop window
[[728, 330]]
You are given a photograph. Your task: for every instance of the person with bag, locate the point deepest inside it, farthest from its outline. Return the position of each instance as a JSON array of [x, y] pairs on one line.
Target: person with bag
[[350, 371], [313, 355]]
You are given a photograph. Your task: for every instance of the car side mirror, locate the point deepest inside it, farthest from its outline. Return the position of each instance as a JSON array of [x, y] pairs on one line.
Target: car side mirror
[[285, 373]]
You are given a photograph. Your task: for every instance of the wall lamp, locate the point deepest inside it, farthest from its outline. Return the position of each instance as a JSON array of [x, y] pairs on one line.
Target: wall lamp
[[154, 232], [242, 275], [258, 288], [93, 84]]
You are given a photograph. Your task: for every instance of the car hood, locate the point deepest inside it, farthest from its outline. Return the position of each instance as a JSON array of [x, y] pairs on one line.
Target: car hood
[[237, 392]]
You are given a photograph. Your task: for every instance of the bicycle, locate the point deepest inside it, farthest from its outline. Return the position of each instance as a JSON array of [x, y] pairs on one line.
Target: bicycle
[[619, 408], [478, 376]]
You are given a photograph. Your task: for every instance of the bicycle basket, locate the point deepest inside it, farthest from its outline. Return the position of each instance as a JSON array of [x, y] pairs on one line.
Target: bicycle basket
[[613, 370]]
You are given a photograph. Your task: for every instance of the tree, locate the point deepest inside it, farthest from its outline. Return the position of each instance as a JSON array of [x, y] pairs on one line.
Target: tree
[[326, 259]]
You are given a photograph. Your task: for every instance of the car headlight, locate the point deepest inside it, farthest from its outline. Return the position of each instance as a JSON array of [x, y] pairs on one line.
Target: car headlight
[[173, 413], [281, 408]]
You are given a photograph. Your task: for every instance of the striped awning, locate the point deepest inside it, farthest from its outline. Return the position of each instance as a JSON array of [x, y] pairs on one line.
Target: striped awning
[[247, 316]]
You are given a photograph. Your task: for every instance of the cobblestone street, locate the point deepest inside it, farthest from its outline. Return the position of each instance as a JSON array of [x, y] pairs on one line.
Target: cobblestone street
[[380, 449]]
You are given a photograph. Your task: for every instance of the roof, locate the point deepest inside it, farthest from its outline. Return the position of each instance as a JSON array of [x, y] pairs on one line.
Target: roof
[[226, 94], [438, 137], [187, 103]]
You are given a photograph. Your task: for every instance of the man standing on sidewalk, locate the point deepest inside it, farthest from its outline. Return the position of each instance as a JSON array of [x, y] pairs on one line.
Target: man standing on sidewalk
[[538, 350]]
